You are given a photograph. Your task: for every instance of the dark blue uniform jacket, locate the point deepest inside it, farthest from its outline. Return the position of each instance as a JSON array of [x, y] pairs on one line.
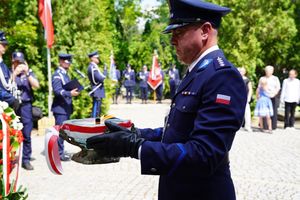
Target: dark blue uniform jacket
[[62, 102], [5, 95], [174, 77], [191, 153], [25, 87], [129, 78], [96, 78], [143, 79]]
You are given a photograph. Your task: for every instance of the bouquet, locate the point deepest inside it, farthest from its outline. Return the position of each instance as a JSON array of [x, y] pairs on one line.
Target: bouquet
[[10, 153]]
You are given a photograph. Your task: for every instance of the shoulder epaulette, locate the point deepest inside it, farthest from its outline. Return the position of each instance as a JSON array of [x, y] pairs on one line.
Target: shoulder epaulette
[[221, 63]]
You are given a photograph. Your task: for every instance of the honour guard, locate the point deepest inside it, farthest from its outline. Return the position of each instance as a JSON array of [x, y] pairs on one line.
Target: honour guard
[[129, 82], [5, 75], [96, 78], [26, 81], [143, 76], [191, 152], [173, 80], [62, 107]]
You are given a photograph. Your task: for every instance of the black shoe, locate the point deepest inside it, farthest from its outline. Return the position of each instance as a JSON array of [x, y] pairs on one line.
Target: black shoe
[[27, 166], [32, 159], [65, 157]]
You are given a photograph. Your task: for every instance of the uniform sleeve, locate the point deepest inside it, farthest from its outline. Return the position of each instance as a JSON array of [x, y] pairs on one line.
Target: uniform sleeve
[[214, 129], [152, 134], [58, 87]]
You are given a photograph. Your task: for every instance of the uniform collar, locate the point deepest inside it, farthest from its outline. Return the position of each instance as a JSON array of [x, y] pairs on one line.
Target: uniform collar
[[209, 50], [1, 60], [62, 70], [94, 64]]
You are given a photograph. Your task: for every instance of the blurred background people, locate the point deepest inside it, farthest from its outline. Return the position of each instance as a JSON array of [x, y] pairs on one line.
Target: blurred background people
[[273, 88], [129, 83], [290, 96], [264, 107], [174, 80], [115, 76], [26, 81], [143, 76], [160, 88], [248, 84], [96, 78]]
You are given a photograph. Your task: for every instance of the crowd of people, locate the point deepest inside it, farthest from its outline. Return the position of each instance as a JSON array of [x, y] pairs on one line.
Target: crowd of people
[[269, 95]]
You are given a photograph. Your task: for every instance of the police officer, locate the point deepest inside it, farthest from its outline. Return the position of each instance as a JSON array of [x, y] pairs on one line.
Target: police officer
[[96, 78], [143, 76], [160, 88], [62, 107], [191, 152], [173, 80], [129, 82], [26, 81], [5, 77]]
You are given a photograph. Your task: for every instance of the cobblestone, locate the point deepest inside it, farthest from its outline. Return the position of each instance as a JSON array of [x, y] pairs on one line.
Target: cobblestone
[[264, 167]]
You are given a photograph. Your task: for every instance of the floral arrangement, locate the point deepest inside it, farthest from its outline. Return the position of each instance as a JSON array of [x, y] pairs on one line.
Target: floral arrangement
[[10, 152]]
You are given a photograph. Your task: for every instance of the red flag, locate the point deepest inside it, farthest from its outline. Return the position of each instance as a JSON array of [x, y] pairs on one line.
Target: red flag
[[45, 14], [155, 77]]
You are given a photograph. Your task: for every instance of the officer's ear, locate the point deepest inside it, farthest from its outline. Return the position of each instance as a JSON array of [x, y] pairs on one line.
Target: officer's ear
[[206, 30]]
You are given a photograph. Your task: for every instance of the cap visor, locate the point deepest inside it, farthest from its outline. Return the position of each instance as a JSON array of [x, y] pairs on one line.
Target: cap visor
[[68, 62], [173, 27]]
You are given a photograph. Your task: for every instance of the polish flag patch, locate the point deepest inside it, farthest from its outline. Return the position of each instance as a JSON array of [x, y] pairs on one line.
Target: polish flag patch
[[223, 99]]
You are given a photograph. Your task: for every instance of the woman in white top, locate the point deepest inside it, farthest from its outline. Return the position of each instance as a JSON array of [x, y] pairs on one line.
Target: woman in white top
[[290, 96]]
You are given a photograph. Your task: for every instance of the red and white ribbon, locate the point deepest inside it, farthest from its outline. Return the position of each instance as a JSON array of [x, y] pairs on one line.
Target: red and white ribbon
[[51, 150]]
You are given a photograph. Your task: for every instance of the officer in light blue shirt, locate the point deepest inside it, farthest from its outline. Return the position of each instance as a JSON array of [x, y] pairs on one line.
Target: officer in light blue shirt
[[26, 81]]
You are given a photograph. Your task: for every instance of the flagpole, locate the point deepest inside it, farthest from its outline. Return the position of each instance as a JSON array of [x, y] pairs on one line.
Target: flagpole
[[49, 82]]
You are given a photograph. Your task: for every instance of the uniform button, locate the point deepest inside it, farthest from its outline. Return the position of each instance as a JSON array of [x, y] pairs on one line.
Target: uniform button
[[173, 105], [168, 125], [183, 107], [153, 170]]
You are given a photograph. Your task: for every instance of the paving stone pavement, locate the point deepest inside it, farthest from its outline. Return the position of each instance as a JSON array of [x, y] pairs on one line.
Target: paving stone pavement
[[264, 167]]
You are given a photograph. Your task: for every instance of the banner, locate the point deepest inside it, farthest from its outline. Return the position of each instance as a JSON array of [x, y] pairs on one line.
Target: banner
[[155, 77], [45, 14]]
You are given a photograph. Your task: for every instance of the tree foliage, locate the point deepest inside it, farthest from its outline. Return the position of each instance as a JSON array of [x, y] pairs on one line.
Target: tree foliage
[[255, 34]]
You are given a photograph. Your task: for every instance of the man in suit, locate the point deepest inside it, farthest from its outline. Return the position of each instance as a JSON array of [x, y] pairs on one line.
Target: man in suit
[[5, 77], [96, 78], [62, 107], [191, 152]]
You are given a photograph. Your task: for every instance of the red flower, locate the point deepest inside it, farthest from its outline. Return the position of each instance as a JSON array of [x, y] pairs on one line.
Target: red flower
[[6, 117]]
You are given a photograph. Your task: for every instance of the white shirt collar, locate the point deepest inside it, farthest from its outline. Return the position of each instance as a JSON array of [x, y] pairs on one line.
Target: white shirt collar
[[209, 50], [63, 70], [1, 60]]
